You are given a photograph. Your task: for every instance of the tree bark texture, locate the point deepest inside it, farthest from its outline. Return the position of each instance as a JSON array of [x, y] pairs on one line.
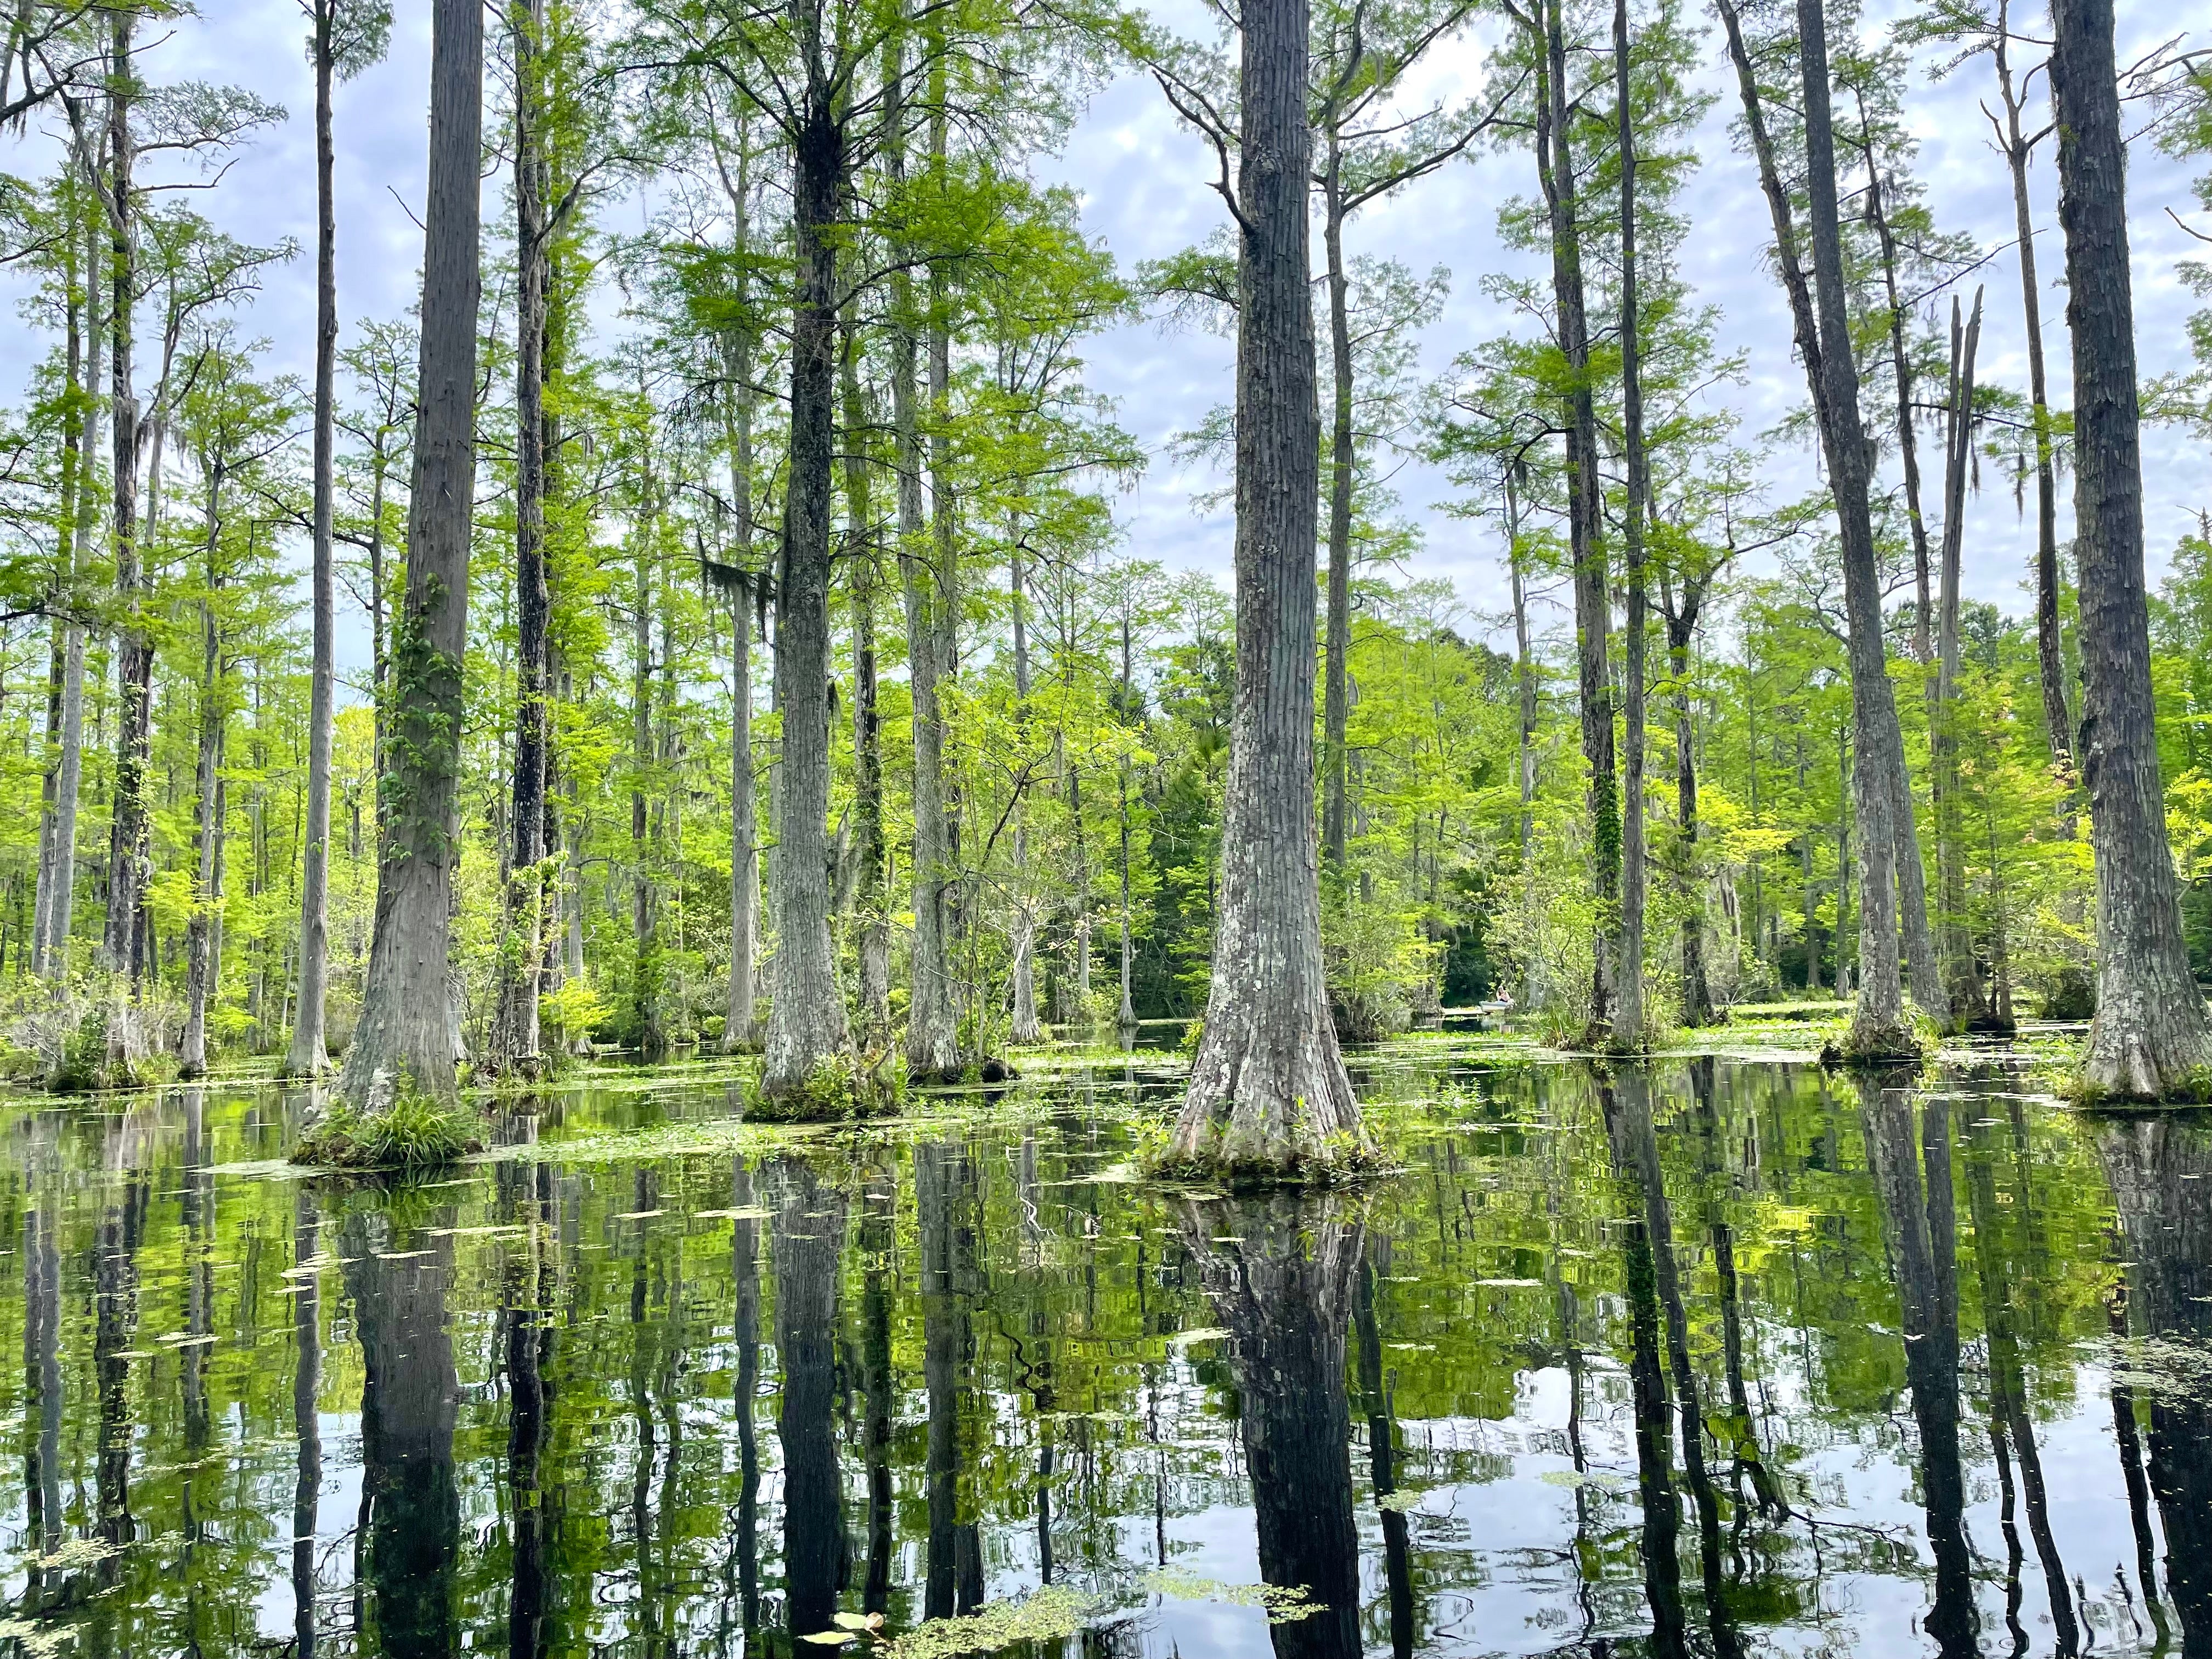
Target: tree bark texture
[[306, 1057], [514, 1043], [1585, 508], [408, 1033], [932, 1047], [806, 1019], [2151, 1036], [1336, 690], [1630, 1022], [123, 940], [1962, 982], [1878, 1027], [873, 926], [1269, 1088]]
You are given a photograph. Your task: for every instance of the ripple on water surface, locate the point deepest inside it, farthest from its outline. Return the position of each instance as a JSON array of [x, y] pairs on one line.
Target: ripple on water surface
[[1724, 1357]]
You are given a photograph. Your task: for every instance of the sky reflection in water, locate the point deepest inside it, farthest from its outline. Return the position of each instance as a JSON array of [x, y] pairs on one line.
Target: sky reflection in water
[[1726, 1358]]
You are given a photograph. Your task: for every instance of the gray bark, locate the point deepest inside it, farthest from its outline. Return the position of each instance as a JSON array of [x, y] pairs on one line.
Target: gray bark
[[1268, 1089], [1878, 1027], [931, 1028], [1962, 978], [123, 940], [875, 932], [2051, 656], [514, 1038], [1629, 1020], [203, 937], [1343, 458], [2151, 1036], [1026, 1027], [806, 1019], [1585, 522], [407, 1030], [306, 1057]]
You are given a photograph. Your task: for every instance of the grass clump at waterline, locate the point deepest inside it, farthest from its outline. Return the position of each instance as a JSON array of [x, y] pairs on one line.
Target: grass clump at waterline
[[410, 1132], [1340, 1159], [847, 1084]]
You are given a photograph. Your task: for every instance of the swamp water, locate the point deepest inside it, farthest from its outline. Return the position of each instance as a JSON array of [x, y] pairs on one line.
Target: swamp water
[[1724, 1358]]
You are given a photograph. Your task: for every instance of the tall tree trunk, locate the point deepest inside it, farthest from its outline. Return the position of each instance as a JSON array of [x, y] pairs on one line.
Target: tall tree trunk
[[1268, 1091], [2151, 1036], [1962, 980], [875, 940], [1124, 1018], [306, 1057], [742, 1030], [1026, 1027], [931, 1028], [407, 1035], [514, 1042], [73, 530], [2051, 656], [1524, 680], [1921, 953], [1630, 1022], [1878, 1027], [127, 834], [1697, 987], [807, 1019], [207, 885], [645, 987], [1342, 458], [1555, 165], [61, 628]]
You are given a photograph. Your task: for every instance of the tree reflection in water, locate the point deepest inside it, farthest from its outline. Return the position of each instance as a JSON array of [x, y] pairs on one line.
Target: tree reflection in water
[[396, 1277], [1713, 1358], [1279, 1272], [2160, 1170]]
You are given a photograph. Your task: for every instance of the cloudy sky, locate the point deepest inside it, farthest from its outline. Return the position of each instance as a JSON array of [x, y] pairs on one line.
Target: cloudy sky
[[1143, 182]]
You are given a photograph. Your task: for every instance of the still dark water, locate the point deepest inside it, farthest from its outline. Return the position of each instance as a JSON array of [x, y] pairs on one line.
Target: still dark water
[[1725, 1358]]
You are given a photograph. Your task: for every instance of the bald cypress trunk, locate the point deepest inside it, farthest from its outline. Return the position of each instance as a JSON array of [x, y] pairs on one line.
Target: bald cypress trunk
[[306, 1057], [514, 1044], [807, 1020], [1823, 339], [2151, 1037], [408, 1032], [1630, 1022], [1555, 164], [1268, 1091], [123, 940], [875, 934]]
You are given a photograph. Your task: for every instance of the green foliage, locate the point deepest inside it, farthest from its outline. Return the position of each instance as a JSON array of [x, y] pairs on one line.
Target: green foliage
[[410, 1133]]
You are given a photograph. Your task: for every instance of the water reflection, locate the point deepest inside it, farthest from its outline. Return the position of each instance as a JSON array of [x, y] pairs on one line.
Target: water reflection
[[1711, 1358], [396, 1277], [2160, 1170], [1280, 1272]]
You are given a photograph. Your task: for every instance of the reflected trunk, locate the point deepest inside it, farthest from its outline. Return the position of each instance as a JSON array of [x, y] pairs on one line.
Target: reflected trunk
[[1922, 1226], [942, 1197], [2160, 1169], [1280, 1271], [809, 1232], [409, 1393]]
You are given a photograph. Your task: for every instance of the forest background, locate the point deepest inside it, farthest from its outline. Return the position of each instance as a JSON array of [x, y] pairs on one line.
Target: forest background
[[1088, 802]]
